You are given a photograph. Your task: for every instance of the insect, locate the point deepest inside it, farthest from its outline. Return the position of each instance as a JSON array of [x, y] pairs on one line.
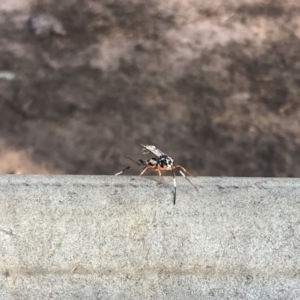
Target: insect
[[161, 162]]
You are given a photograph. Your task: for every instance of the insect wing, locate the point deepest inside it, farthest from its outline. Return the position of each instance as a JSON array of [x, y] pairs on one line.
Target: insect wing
[[152, 149]]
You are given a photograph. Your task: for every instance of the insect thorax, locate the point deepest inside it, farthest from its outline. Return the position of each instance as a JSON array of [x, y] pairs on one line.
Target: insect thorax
[[165, 161]]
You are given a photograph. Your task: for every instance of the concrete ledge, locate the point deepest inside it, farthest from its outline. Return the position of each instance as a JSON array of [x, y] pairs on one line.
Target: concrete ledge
[[106, 237]]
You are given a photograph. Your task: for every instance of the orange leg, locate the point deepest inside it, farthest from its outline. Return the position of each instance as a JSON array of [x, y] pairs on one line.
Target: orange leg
[[160, 179], [184, 170], [142, 173]]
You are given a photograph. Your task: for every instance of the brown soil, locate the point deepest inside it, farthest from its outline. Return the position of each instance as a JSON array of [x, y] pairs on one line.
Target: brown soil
[[214, 86]]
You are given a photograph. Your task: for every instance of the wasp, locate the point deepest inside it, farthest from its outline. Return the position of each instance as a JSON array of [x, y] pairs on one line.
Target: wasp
[[161, 162]]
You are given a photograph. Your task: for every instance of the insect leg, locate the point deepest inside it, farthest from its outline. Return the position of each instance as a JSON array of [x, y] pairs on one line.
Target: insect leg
[[159, 176], [138, 163], [174, 180], [185, 171], [142, 172], [122, 171]]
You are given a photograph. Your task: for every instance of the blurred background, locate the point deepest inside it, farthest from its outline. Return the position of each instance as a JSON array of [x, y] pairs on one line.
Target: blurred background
[[215, 84]]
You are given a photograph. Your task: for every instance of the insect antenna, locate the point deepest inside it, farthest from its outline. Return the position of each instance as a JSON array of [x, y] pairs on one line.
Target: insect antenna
[[139, 164]]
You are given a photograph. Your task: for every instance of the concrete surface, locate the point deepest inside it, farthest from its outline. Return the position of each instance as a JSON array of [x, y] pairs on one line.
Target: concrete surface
[[107, 237]]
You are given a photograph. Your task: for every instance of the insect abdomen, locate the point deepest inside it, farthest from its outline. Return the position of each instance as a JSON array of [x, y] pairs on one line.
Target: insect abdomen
[[152, 162]]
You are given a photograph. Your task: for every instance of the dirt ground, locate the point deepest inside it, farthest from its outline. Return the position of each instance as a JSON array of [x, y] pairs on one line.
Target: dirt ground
[[214, 84]]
